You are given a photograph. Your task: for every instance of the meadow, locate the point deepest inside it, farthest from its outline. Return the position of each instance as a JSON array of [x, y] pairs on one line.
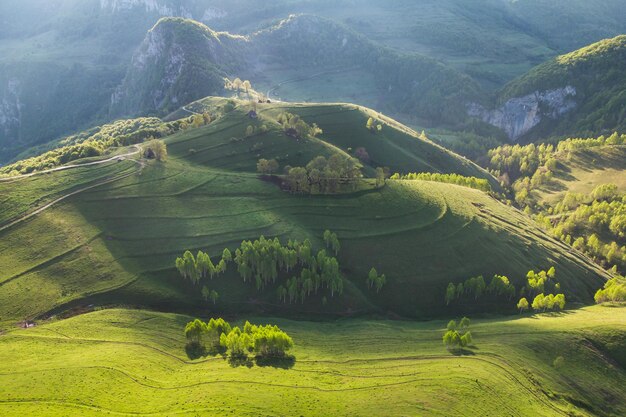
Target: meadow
[[133, 362]]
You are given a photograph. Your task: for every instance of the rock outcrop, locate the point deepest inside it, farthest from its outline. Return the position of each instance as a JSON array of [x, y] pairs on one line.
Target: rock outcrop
[[518, 115], [178, 62]]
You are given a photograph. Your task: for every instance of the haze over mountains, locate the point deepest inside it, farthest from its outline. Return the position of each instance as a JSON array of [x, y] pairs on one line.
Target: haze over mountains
[[81, 52]]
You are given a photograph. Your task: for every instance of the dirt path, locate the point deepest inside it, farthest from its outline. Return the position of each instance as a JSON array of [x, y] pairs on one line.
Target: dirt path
[[20, 219], [65, 167]]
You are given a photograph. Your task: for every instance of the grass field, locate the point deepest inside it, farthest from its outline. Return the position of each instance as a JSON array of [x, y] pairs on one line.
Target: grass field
[[116, 243], [132, 362]]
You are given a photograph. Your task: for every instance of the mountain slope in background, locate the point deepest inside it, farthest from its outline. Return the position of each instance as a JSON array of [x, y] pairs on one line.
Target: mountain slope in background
[[91, 42], [182, 59], [582, 93]]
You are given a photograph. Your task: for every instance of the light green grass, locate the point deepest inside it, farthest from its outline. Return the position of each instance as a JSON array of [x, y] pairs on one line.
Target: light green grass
[[129, 362], [117, 243]]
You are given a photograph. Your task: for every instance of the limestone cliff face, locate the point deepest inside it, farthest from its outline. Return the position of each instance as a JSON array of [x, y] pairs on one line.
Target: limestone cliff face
[[178, 62], [520, 115]]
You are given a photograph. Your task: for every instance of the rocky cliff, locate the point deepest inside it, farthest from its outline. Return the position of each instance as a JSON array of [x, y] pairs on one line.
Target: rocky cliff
[[518, 115], [179, 62]]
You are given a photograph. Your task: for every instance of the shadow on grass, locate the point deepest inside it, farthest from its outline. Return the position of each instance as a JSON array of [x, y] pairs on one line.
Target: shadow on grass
[[462, 352], [285, 362], [239, 361], [197, 351]]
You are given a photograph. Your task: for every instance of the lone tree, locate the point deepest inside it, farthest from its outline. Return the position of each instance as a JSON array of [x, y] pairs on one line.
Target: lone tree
[[522, 305], [154, 149]]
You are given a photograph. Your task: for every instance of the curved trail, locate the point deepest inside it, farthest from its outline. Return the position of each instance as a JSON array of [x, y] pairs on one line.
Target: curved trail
[[63, 197], [66, 167]]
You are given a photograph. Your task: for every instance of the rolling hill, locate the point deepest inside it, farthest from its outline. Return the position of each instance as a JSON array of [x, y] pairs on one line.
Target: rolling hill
[[115, 234]]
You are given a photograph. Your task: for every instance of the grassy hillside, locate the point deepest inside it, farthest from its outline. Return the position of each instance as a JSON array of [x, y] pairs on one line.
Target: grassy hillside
[[131, 361], [116, 243]]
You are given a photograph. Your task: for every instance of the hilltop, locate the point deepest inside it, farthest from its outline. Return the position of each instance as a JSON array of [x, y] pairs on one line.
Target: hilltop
[[114, 240]]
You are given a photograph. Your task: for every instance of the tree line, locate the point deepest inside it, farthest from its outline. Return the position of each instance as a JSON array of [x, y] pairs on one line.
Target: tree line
[[218, 335], [477, 287], [323, 175], [471, 182]]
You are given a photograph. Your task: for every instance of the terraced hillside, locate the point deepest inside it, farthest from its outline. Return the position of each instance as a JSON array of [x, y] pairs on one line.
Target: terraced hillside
[[116, 243], [126, 362]]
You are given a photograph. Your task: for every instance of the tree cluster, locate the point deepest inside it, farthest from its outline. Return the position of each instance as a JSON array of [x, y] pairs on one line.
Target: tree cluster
[[477, 287], [262, 341], [200, 267], [265, 260], [206, 335], [154, 149], [614, 291], [548, 302], [297, 128], [216, 334], [376, 281], [471, 182], [322, 175], [267, 167], [457, 336]]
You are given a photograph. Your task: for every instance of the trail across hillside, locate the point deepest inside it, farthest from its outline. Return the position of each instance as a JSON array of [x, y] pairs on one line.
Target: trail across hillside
[[65, 167], [27, 216]]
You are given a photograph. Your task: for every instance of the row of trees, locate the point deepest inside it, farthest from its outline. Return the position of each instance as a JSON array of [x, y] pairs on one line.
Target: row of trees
[[472, 182], [323, 175], [477, 287], [218, 334], [457, 336], [543, 303]]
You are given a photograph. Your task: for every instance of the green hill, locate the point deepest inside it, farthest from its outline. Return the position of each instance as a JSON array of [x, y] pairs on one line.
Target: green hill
[[135, 362], [116, 238]]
